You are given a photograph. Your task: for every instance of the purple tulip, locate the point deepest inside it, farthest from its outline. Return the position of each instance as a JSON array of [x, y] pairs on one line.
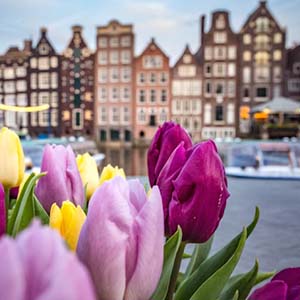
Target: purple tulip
[[38, 266], [283, 286], [2, 211], [167, 138], [121, 242], [14, 192], [62, 181]]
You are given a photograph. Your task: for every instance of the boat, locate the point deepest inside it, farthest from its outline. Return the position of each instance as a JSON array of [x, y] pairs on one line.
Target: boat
[[264, 161]]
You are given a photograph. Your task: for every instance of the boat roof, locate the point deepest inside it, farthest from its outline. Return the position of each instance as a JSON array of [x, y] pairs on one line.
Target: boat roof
[[278, 147]]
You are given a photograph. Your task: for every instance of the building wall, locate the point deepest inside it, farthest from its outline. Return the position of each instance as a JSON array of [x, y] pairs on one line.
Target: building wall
[[44, 88], [293, 73], [77, 82], [114, 83], [152, 86], [219, 55], [186, 101]]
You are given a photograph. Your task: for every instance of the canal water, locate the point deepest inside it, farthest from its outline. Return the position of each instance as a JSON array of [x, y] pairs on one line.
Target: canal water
[[276, 239]]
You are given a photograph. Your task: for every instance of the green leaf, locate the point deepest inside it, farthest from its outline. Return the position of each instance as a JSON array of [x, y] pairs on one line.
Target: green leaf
[[211, 265], [40, 211], [242, 283], [170, 250], [200, 253], [213, 286], [236, 296], [264, 276], [24, 210], [186, 255]]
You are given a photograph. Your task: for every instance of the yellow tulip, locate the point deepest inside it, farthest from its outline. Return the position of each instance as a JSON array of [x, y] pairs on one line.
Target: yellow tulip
[[11, 159], [68, 221], [88, 172], [110, 172]]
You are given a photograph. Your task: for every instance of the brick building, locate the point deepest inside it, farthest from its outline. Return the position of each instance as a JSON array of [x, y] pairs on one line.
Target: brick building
[[262, 60], [152, 87], [77, 84], [293, 73], [13, 86], [219, 56], [44, 87], [186, 94], [114, 83]]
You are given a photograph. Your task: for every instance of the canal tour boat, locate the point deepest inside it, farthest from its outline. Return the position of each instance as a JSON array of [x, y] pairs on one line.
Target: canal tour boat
[[264, 161]]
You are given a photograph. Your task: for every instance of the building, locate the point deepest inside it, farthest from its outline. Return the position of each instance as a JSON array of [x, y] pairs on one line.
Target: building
[[113, 82], [219, 56], [44, 87], [262, 61], [152, 87], [14, 85], [293, 73], [77, 86], [186, 94]]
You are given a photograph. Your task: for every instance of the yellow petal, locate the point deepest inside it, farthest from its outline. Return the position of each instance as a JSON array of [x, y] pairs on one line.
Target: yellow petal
[[55, 218], [110, 172]]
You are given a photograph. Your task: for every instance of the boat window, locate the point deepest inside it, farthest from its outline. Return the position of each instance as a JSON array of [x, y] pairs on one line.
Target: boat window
[[242, 156], [276, 158]]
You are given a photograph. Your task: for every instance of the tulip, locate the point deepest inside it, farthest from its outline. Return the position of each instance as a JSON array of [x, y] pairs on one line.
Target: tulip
[[110, 172], [2, 211], [11, 159], [89, 173], [283, 286], [121, 242], [36, 265], [194, 191], [62, 181], [167, 138], [67, 221]]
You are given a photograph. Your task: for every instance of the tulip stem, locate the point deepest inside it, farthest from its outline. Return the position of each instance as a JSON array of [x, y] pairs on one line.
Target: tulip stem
[[175, 271], [6, 205]]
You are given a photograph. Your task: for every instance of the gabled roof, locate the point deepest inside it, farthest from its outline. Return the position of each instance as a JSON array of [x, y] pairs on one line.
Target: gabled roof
[[150, 45], [77, 38], [186, 51], [43, 39]]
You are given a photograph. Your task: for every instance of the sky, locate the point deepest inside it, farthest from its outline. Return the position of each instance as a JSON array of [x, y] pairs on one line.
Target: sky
[[173, 23]]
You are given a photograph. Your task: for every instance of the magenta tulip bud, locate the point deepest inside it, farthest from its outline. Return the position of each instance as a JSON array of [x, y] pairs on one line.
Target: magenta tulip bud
[[14, 192], [121, 241], [2, 211], [167, 138], [62, 181], [283, 286], [37, 265]]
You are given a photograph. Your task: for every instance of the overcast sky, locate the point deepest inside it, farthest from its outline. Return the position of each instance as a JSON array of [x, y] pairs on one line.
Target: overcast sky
[[173, 23]]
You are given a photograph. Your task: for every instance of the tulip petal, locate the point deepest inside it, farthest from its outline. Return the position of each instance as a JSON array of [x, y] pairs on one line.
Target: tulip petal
[[12, 280], [275, 290], [290, 276], [2, 211], [148, 265]]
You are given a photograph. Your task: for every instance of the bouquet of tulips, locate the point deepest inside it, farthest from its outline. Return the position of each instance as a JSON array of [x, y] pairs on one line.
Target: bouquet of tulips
[[68, 233]]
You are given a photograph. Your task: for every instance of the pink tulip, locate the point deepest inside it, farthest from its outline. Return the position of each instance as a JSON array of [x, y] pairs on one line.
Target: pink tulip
[[2, 211], [121, 242], [38, 266]]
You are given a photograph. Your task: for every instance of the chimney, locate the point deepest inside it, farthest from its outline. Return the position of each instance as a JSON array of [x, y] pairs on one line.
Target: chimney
[[77, 29], [43, 31], [202, 28], [263, 3], [28, 45]]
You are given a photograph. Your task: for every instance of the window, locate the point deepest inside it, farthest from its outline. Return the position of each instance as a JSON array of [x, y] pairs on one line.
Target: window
[[102, 58], [163, 115], [276, 91], [33, 99], [262, 24], [208, 87], [261, 92], [262, 42], [163, 77], [220, 88], [114, 74], [141, 77], [102, 42], [21, 72], [21, 85], [247, 39], [220, 22], [152, 78], [54, 99], [277, 74], [142, 96], [126, 74], [9, 73], [247, 56], [231, 88], [187, 71], [220, 52], [115, 115], [232, 52], [33, 63], [246, 93], [208, 53], [114, 42], [296, 68], [246, 74], [125, 57], [54, 80], [102, 94], [43, 63], [262, 73], [44, 49], [9, 87], [114, 57], [54, 117], [294, 85], [152, 96], [207, 113], [126, 41], [22, 100], [44, 80], [220, 37], [103, 115], [208, 69], [44, 118], [102, 75], [230, 113], [262, 58], [53, 62], [219, 115], [219, 70], [44, 98], [187, 59], [152, 61], [114, 94], [126, 115], [231, 70], [141, 116], [277, 38], [163, 95], [126, 94], [277, 55]]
